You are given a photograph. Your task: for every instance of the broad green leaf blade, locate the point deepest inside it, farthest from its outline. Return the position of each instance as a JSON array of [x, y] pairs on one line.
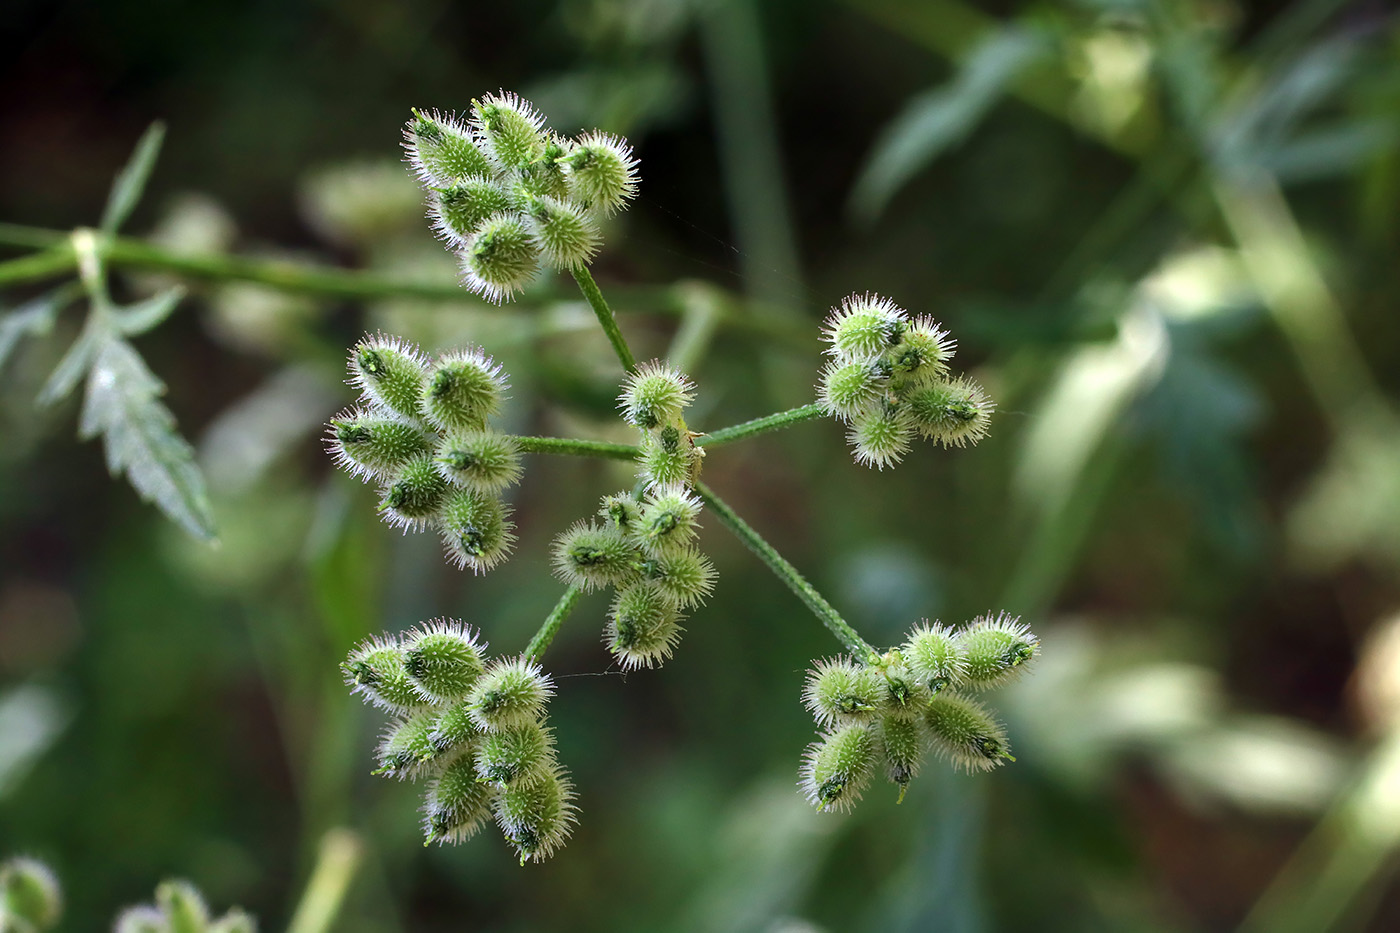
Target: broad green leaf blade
[[74, 365], [140, 439], [144, 315], [939, 119], [131, 180], [33, 318]]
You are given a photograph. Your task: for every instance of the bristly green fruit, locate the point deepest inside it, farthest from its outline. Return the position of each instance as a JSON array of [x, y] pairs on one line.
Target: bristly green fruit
[[685, 576], [566, 237], [441, 150], [547, 176], [841, 691], [904, 694], [669, 458], [406, 747], [369, 445], [964, 732], [955, 413], [643, 628], [592, 556], [389, 374], [485, 461], [537, 816], [923, 353], [464, 388], [996, 650], [443, 658], [501, 259], [518, 755], [864, 328], [622, 511], [457, 803], [413, 494], [511, 693], [901, 740], [849, 388], [602, 174], [180, 908], [476, 529], [667, 522], [376, 671], [458, 211], [836, 769], [655, 395], [510, 129], [454, 730], [881, 436], [933, 657], [31, 900]]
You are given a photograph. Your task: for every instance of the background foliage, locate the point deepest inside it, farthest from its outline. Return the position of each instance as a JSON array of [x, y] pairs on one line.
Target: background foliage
[[1164, 232]]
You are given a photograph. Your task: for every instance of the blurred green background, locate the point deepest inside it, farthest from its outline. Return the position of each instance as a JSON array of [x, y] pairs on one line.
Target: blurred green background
[[1164, 233]]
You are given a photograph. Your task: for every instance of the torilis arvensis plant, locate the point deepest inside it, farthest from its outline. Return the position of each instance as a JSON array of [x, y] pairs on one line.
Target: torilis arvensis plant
[[510, 196]]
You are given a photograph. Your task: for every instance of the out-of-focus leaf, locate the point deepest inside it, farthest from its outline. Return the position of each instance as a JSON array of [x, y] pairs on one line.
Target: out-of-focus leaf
[[131, 180], [31, 719], [71, 369], [33, 318], [144, 315], [1323, 152], [139, 437], [939, 119]]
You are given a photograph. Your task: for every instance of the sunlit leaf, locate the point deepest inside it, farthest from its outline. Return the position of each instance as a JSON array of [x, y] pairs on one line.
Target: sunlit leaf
[[131, 180]]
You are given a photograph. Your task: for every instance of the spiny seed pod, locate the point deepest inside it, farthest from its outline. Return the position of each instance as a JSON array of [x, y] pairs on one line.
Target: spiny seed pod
[[501, 258], [996, 650], [904, 694], [592, 556], [443, 658], [30, 898], [510, 129], [442, 150], [881, 436], [414, 494], [406, 747], [454, 730], [485, 461], [836, 769], [519, 755], [602, 174], [457, 211], [376, 671], [537, 816], [622, 511], [847, 389], [669, 458], [457, 803], [476, 529], [955, 413], [667, 522], [183, 906], [864, 327], [901, 740], [142, 918], [963, 731], [511, 693], [234, 921], [655, 395], [684, 576], [841, 691], [389, 373], [367, 444], [567, 238], [933, 657], [644, 627], [923, 353], [547, 176], [464, 388]]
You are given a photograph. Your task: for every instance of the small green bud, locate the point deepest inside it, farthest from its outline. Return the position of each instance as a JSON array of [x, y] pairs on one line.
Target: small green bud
[[566, 237], [183, 906], [684, 576], [389, 373], [547, 176], [414, 494], [522, 754], [864, 327], [476, 529], [840, 691], [442, 150], [836, 769], [655, 396], [602, 174], [904, 694], [643, 628], [457, 804], [376, 671], [484, 461], [964, 732], [849, 388], [464, 388], [459, 210], [367, 444], [933, 657], [923, 353], [622, 511], [537, 816], [31, 900], [235, 920], [669, 458], [996, 650], [592, 556], [140, 919], [881, 436], [443, 658], [511, 693], [902, 741], [510, 129], [667, 522], [955, 413], [501, 258], [454, 729], [406, 747]]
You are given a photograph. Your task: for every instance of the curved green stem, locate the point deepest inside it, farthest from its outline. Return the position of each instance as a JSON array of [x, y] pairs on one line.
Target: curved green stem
[[337, 862], [47, 264], [786, 572], [570, 447], [763, 425], [552, 622], [599, 304]]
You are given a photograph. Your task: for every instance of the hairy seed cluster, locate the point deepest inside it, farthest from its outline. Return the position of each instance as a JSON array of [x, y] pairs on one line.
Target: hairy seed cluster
[[888, 378], [475, 730], [422, 432], [30, 898], [180, 908], [510, 196], [912, 699]]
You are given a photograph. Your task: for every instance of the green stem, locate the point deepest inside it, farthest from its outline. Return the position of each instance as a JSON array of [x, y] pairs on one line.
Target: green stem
[[788, 574], [336, 864], [36, 267], [552, 622], [570, 447], [763, 425], [599, 304]]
